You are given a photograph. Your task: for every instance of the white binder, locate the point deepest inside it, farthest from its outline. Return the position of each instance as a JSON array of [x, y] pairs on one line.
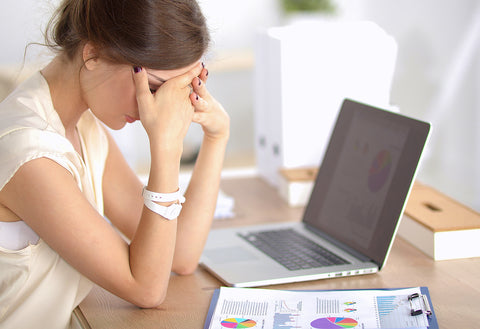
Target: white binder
[[303, 72]]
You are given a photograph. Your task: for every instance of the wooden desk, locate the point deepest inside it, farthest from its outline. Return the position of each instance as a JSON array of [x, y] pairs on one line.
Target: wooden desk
[[454, 285]]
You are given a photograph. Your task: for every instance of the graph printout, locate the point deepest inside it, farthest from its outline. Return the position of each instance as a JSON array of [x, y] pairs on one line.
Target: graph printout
[[282, 309]]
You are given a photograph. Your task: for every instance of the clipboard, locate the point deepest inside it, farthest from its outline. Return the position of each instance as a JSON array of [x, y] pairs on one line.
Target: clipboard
[[421, 302]]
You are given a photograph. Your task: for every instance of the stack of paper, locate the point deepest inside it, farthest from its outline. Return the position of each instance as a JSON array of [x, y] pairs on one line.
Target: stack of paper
[[224, 207], [225, 203]]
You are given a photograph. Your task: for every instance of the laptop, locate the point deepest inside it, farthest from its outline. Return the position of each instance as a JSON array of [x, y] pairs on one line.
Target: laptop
[[350, 221]]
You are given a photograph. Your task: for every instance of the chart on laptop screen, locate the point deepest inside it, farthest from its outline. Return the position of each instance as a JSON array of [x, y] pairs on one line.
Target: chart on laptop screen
[[362, 177], [379, 171]]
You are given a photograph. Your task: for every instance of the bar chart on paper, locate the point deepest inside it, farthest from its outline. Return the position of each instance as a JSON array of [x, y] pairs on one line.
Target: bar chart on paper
[[287, 316], [394, 312], [285, 321]]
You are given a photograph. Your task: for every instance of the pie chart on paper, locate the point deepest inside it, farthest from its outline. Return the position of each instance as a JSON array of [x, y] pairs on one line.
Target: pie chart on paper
[[333, 323], [238, 323]]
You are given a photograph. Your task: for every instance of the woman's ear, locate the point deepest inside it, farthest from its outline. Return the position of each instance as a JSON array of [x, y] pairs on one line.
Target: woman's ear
[[90, 56]]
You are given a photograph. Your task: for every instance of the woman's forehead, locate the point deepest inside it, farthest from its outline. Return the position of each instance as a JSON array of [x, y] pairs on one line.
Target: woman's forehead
[[164, 75]]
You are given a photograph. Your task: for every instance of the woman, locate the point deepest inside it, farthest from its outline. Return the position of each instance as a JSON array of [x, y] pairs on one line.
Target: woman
[[61, 172]]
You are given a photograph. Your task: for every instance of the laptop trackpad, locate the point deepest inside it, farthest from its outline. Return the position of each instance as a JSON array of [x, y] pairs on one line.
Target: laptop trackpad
[[229, 254]]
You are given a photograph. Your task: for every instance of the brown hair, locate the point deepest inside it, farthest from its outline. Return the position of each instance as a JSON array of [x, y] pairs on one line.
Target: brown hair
[[158, 34]]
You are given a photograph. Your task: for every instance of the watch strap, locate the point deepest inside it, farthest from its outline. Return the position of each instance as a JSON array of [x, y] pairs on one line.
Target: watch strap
[[163, 197]]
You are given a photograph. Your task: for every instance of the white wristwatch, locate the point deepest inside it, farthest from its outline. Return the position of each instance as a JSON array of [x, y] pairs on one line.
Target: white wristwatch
[[171, 212], [163, 197]]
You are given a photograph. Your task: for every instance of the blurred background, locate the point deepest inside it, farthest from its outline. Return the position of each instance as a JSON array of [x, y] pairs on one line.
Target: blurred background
[[436, 76]]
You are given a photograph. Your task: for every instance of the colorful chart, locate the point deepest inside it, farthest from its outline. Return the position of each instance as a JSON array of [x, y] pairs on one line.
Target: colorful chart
[[333, 323], [238, 323], [379, 170]]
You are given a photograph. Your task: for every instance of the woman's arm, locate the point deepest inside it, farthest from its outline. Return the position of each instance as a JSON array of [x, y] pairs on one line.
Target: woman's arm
[[47, 198], [122, 191], [196, 217], [195, 220]]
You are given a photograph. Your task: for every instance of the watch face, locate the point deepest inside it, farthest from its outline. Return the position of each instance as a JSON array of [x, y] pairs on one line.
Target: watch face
[[172, 211]]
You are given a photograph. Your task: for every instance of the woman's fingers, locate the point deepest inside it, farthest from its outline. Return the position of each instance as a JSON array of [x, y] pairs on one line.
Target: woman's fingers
[[199, 104], [199, 87], [186, 79], [204, 74], [140, 79], [177, 103]]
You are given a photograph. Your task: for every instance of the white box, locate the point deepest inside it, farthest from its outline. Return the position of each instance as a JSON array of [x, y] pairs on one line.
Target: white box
[[440, 226], [296, 185]]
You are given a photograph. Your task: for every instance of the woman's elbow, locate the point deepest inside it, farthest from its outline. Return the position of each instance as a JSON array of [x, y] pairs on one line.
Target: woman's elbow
[[148, 297], [185, 269], [150, 300]]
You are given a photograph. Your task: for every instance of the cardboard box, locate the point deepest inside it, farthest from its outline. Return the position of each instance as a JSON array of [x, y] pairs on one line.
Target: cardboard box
[[440, 226]]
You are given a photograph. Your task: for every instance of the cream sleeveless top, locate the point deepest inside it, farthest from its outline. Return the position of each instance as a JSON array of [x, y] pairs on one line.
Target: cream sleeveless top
[[37, 287]]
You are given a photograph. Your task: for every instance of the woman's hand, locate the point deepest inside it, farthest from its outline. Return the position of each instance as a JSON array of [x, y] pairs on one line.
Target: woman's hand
[[209, 113], [167, 114]]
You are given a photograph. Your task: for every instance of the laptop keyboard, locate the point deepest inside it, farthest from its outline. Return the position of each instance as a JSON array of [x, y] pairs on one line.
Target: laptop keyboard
[[292, 250]]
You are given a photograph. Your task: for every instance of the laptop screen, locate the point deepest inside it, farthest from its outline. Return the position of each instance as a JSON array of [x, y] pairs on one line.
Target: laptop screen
[[365, 177]]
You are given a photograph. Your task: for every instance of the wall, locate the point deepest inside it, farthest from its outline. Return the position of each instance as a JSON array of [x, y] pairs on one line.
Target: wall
[[437, 79], [22, 22], [430, 34]]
